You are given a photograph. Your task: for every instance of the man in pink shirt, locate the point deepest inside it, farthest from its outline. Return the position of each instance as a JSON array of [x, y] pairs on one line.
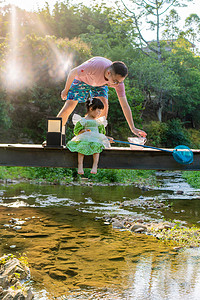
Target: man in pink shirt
[[93, 78]]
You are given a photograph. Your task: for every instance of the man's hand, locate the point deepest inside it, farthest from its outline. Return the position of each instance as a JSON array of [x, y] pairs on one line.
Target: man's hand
[[111, 140], [139, 132], [64, 95]]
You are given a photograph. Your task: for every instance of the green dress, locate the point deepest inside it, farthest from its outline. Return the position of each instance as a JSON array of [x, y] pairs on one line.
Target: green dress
[[89, 142]]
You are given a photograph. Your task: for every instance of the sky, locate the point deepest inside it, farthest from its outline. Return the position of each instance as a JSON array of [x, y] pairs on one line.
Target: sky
[[193, 7], [31, 5]]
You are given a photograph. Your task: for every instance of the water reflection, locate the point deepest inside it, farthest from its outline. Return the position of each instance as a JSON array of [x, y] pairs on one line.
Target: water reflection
[[74, 256]]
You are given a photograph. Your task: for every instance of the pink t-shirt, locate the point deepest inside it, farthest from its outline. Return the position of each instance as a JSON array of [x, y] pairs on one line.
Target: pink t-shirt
[[92, 72]]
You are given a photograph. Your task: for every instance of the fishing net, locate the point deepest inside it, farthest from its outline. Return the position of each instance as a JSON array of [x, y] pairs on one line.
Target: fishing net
[[183, 155]]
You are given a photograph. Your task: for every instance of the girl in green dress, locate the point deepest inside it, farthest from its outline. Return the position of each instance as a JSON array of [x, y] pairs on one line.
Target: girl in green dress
[[89, 133]]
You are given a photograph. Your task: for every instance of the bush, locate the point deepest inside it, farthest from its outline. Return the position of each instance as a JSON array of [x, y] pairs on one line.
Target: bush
[[155, 133], [170, 134], [176, 134], [193, 178]]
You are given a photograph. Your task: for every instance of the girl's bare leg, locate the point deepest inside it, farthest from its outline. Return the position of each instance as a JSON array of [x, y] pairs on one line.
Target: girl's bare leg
[[95, 163], [80, 163]]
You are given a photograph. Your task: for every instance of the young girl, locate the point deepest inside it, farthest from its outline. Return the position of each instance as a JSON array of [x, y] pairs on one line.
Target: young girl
[[90, 136]]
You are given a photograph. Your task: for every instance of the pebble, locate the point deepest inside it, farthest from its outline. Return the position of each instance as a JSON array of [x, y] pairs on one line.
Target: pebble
[[17, 228], [106, 223]]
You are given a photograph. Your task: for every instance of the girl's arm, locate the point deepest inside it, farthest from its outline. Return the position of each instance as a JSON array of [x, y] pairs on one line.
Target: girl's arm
[[102, 129], [78, 128]]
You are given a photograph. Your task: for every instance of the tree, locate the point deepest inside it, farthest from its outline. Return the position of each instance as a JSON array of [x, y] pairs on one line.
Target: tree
[[186, 65], [192, 25], [171, 32], [152, 11], [32, 86]]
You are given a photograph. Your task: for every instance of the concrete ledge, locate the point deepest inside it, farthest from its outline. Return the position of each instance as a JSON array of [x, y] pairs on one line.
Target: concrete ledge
[[33, 155]]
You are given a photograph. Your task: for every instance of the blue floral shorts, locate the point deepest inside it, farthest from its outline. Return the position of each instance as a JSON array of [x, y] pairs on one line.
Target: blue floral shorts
[[79, 91]]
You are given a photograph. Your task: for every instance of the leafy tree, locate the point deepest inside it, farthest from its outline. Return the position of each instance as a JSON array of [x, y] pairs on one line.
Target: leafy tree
[[34, 90], [171, 32], [186, 66], [153, 10], [192, 25]]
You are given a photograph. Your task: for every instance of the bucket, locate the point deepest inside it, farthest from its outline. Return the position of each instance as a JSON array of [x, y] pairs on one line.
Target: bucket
[[137, 140]]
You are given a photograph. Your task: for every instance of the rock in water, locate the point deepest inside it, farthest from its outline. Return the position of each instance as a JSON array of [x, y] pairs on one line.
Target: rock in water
[[12, 273]]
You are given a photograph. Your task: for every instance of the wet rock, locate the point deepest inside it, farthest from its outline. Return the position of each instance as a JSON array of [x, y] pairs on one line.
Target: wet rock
[[13, 273], [117, 224], [58, 275], [138, 226], [117, 258], [177, 248], [106, 223], [71, 273], [17, 228], [180, 192], [140, 230], [7, 225]]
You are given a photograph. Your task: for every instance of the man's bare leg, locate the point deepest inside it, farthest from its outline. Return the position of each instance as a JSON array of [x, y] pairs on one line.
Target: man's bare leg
[[95, 163], [80, 163], [66, 110], [105, 110]]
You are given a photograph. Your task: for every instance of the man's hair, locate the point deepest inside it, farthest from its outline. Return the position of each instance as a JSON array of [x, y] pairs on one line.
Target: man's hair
[[119, 68], [94, 103]]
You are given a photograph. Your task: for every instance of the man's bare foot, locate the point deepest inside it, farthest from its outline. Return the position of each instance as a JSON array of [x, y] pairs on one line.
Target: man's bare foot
[[94, 170]]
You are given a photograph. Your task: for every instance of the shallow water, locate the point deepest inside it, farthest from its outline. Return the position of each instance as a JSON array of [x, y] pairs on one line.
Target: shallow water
[[73, 255]]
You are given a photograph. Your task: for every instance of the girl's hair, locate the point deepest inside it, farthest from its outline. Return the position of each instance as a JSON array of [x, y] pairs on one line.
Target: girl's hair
[[94, 103]]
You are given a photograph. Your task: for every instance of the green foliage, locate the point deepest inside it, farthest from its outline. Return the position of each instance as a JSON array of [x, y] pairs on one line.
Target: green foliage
[[5, 109], [170, 134], [187, 67], [194, 137], [135, 99], [49, 43], [155, 133], [176, 134], [193, 178], [63, 175], [32, 173], [36, 96], [121, 176]]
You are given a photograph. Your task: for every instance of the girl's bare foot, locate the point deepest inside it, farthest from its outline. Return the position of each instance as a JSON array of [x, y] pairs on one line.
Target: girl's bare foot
[[94, 170], [80, 171]]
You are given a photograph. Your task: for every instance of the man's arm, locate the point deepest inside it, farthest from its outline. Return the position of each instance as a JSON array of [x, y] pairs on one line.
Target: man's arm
[[72, 74], [129, 118]]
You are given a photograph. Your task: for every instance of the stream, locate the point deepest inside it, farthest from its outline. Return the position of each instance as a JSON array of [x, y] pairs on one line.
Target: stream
[[74, 254]]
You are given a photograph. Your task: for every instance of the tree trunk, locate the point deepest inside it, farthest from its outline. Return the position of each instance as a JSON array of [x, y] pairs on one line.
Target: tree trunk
[[159, 113]]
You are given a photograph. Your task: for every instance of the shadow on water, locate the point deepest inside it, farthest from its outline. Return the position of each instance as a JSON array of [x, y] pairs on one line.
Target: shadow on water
[[74, 255]]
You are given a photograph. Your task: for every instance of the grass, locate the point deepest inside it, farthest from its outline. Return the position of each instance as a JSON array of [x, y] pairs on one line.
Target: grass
[[192, 177], [62, 175], [179, 236]]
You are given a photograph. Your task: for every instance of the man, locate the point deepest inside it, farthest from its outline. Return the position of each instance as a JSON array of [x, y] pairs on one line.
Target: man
[[93, 77]]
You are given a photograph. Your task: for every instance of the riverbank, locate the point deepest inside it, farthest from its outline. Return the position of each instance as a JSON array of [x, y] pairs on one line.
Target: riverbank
[[174, 234], [64, 176]]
